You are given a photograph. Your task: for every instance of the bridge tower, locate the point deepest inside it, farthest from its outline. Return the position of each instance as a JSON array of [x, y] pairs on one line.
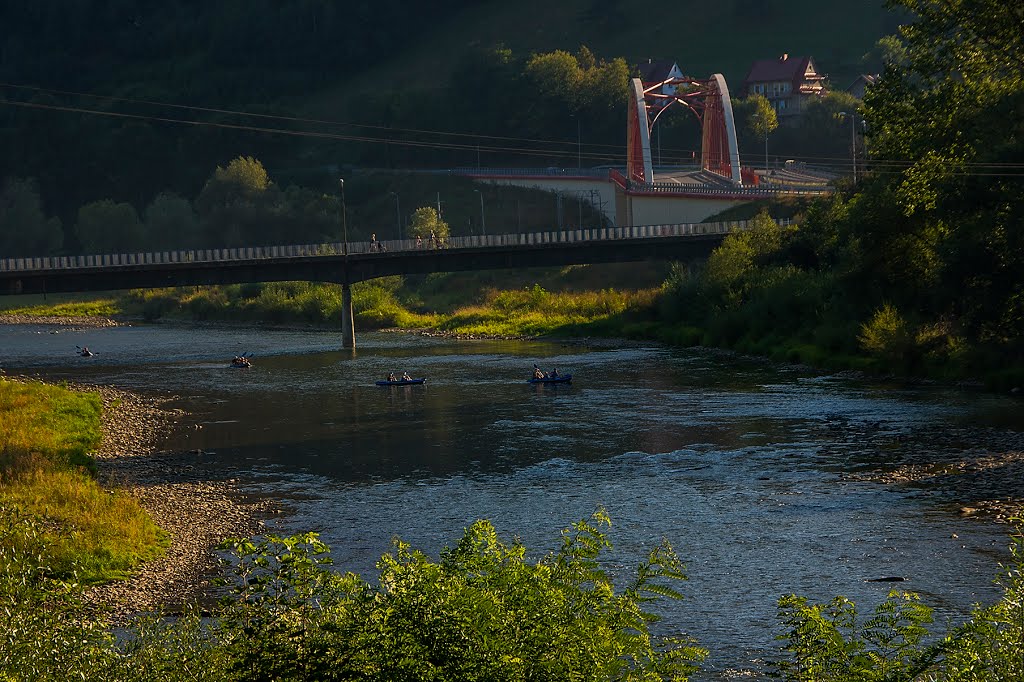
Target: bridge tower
[[708, 100]]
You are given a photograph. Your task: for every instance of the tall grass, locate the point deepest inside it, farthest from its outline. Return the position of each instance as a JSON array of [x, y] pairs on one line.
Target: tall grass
[[538, 312], [101, 307], [46, 436]]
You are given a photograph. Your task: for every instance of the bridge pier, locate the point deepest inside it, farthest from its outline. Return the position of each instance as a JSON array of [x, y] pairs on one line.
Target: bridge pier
[[348, 330]]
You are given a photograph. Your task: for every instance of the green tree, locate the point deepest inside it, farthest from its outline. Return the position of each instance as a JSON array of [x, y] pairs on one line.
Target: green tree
[[25, 230], [732, 268], [556, 75], [239, 205], [171, 223], [425, 222], [762, 120], [943, 124], [109, 227]]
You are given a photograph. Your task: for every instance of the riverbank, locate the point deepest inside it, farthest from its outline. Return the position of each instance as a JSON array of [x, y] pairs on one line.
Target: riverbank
[[195, 513], [70, 321]]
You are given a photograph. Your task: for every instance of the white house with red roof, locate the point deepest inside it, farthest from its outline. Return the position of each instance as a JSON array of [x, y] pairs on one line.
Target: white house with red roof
[[787, 82], [660, 71]]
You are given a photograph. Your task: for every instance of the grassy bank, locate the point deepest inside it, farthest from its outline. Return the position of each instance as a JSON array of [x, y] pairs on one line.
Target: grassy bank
[[46, 436], [67, 305]]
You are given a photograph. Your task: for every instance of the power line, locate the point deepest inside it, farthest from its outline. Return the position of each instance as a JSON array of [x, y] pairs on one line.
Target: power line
[[306, 133], [296, 119], [570, 146]]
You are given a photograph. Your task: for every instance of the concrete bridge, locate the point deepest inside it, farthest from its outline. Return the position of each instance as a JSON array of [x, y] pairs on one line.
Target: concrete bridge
[[679, 195], [346, 263]]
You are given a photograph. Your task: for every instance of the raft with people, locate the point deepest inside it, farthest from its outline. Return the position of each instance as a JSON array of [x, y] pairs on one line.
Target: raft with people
[[401, 382], [552, 377], [548, 379], [404, 380]]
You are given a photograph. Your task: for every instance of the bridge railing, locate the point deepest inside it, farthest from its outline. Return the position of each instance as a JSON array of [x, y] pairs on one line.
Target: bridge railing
[[532, 172], [249, 253]]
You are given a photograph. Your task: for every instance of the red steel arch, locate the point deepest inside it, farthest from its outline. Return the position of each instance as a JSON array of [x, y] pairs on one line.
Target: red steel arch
[[707, 99]]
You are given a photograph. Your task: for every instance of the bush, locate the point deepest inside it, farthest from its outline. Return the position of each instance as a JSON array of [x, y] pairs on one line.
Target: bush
[[481, 612], [887, 336]]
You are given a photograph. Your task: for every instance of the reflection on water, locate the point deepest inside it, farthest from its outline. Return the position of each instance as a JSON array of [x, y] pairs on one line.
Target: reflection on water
[[738, 463]]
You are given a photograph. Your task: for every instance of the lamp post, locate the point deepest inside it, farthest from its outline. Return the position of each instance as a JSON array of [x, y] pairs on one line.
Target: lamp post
[[348, 330], [344, 219], [398, 213], [579, 145], [853, 141], [483, 220]]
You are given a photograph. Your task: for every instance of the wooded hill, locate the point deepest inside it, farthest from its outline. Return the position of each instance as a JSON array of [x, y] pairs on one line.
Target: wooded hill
[[99, 96]]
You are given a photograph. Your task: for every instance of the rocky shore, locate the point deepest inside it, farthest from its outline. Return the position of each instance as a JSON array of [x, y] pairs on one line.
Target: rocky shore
[[70, 322], [984, 484], [196, 512]]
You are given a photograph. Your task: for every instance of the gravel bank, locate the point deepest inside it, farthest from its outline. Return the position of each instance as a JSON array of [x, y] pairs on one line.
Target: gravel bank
[[197, 513], [76, 322], [986, 484]]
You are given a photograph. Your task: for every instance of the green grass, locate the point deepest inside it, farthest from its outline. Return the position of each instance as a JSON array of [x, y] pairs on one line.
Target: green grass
[[46, 436], [76, 305]]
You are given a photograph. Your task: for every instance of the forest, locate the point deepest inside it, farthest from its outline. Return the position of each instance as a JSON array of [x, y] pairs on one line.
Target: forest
[[131, 101]]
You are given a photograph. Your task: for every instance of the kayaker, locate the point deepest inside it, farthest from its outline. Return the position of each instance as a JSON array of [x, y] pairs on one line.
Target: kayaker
[[406, 377], [391, 377], [554, 373], [537, 373]]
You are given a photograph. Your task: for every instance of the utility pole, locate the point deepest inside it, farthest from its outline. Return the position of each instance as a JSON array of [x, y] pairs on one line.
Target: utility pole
[[348, 330], [483, 219], [853, 142], [398, 213], [579, 145]]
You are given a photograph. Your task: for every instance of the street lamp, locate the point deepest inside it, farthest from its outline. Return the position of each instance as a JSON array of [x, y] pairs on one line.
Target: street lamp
[[398, 213], [344, 218], [483, 220], [853, 141], [579, 145]]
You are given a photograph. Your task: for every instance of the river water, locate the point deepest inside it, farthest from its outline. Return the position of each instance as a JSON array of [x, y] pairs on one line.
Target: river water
[[741, 464]]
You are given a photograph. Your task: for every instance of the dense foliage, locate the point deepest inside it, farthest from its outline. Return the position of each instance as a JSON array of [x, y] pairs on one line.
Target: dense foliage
[[918, 265], [482, 611]]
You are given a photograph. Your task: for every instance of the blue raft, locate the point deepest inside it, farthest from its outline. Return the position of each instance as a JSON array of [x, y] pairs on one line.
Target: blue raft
[[564, 379], [400, 382]]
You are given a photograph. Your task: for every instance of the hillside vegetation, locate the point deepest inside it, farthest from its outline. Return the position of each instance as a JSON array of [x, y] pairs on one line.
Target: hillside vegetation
[[126, 100]]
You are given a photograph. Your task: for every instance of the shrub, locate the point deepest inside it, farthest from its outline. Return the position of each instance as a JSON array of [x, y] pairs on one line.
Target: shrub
[[887, 336]]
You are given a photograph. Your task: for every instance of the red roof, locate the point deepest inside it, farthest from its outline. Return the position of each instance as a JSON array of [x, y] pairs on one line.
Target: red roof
[[785, 68]]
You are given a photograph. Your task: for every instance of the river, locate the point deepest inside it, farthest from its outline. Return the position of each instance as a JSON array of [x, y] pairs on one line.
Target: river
[[743, 465]]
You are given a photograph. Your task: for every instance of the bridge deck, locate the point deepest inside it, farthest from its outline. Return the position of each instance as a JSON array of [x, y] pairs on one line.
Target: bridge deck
[[356, 261]]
